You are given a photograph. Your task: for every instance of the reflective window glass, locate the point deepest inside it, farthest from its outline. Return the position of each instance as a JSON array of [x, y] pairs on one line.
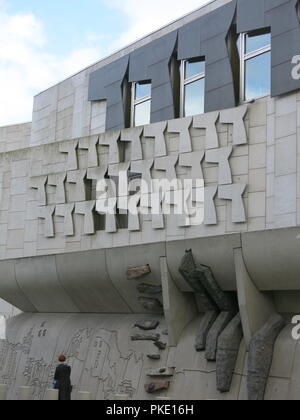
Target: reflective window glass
[[142, 90], [258, 76], [142, 113], [194, 98], [253, 43], [193, 68]]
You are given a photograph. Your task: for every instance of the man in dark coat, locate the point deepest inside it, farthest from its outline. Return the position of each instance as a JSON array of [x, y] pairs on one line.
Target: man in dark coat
[[62, 379]]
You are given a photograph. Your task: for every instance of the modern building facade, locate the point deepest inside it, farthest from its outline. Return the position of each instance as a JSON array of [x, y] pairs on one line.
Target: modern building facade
[[148, 301]]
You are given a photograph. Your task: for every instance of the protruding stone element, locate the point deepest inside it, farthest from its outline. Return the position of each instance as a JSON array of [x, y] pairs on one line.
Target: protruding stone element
[[25, 393], [84, 396], [210, 213], [52, 395], [157, 131], [147, 325], [149, 289], [91, 145], [66, 211], [152, 204], [182, 127], [70, 148], [152, 387], [212, 338], [78, 177], [261, 356], [224, 301], [138, 272], [221, 157], [193, 160], [162, 372], [151, 304], [155, 357], [206, 323], [3, 392], [143, 167], [97, 174], [145, 337], [39, 183], [228, 349], [111, 139], [168, 165], [160, 345], [236, 117], [208, 121], [58, 181], [188, 271], [86, 209], [133, 135], [46, 213], [234, 193]]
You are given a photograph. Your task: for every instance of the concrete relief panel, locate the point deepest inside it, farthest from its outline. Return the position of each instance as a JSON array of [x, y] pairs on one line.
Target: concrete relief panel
[[58, 181], [38, 183], [70, 149], [234, 193], [86, 209], [236, 118], [157, 132], [66, 212], [182, 127], [208, 122], [111, 140], [221, 157], [91, 145], [133, 136], [46, 213]]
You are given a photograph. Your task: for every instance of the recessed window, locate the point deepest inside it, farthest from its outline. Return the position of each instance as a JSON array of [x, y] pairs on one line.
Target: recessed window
[[141, 104], [255, 51], [192, 87]]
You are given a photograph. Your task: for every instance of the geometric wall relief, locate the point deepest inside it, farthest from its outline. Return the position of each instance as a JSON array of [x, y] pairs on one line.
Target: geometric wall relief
[[72, 189]]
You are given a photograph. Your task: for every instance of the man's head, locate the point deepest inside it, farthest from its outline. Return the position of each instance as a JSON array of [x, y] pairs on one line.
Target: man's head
[[62, 358]]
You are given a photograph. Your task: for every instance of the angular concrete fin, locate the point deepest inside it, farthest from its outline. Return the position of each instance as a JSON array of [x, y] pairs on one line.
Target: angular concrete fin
[[255, 307]]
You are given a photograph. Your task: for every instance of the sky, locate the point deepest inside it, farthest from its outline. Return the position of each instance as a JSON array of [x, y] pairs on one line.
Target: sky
[[44, 42]]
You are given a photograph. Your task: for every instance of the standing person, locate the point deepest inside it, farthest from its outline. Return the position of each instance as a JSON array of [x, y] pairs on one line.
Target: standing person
[[62, 379]]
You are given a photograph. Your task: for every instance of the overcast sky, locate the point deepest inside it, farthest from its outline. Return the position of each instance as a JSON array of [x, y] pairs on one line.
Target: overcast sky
[[42, 42]]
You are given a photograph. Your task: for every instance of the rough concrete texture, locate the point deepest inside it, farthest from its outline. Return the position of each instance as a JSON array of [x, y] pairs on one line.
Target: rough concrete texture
[[187, 270], [206, 323], [214, 333], [229, 344], [202, 280], [260, 356]]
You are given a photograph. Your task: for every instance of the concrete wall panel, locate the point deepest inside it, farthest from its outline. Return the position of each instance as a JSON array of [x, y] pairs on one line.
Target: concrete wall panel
[[85, 277]]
